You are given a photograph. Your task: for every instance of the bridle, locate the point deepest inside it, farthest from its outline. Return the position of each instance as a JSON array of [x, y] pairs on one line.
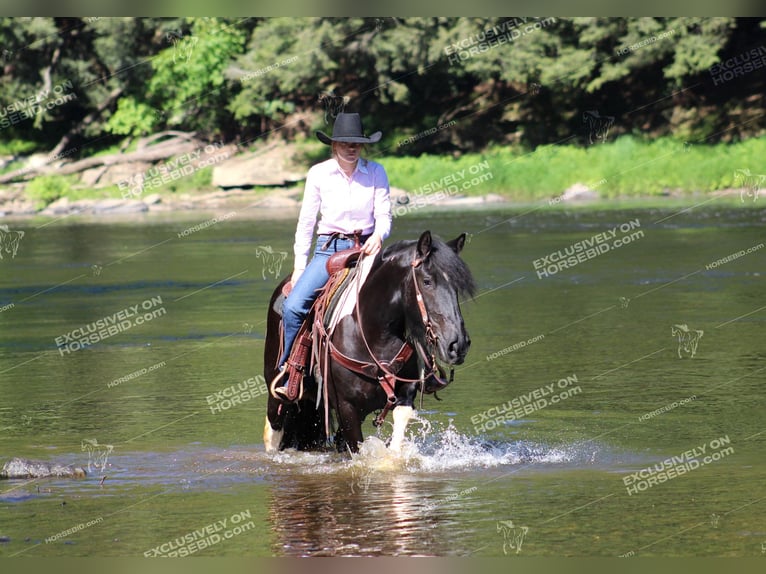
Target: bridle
[[386, 371]]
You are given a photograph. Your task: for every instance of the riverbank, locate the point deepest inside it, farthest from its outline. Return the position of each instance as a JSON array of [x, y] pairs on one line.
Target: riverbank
[[268, 178], [284, 203]]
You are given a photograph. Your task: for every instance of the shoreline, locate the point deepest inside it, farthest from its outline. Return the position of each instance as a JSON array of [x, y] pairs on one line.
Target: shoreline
[[284, 202]]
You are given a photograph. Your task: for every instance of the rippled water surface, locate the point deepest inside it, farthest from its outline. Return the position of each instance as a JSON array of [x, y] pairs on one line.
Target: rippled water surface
[[580, 425]]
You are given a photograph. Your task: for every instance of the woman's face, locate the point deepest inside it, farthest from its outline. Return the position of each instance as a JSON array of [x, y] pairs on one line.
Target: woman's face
[[347, 153]]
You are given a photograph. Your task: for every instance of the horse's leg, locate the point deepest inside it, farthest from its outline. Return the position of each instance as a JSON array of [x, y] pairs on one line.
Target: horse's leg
[[350, 425], [273, 430], [402, 413]]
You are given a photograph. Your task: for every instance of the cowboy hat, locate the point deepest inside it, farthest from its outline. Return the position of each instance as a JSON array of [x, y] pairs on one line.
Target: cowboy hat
[[348, 128]]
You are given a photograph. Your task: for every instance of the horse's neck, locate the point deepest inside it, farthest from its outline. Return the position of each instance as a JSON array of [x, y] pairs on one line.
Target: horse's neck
[[381, 304]]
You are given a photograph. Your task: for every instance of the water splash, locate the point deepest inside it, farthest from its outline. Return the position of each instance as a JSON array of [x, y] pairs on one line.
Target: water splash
[[430, 447]]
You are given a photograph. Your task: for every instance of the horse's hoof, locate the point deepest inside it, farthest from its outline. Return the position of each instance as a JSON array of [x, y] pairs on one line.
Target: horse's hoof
[[272, 438]]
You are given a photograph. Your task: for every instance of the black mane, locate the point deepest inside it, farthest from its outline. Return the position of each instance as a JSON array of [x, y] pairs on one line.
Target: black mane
[[442, 258]]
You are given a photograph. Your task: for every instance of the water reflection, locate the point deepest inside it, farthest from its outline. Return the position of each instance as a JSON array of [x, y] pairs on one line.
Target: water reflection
[[320, 515]]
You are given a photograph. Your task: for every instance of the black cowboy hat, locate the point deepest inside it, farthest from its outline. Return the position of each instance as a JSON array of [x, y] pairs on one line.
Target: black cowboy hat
[[348, 128]]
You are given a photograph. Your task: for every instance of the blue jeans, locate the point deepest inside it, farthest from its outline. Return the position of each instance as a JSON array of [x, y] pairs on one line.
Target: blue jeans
[[305, 291]]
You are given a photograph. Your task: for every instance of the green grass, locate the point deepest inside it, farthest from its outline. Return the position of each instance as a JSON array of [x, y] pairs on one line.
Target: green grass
[[16, 147], [625, 168]]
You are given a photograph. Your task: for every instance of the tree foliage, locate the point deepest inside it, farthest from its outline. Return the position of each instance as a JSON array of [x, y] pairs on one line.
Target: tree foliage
[[465, 82]]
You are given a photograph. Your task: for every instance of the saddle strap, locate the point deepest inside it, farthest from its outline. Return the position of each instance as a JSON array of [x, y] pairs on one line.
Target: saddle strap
[[296, 365], [387, 381], [371, 370]]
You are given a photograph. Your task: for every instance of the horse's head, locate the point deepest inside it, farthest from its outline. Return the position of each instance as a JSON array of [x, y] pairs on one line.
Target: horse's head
[[441, 277]]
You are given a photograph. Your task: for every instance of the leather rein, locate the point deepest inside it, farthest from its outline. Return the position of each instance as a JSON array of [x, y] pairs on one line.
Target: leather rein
[[386, 371]]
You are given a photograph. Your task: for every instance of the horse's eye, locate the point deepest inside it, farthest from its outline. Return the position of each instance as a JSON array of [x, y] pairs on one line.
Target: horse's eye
[[427, 281]]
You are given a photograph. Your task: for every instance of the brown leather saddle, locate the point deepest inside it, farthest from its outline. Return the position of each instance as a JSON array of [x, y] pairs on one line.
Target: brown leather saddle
[[298, 363]]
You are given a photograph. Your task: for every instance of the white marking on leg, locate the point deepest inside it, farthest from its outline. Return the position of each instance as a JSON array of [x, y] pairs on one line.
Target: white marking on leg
[[271, 437], [402, 416]]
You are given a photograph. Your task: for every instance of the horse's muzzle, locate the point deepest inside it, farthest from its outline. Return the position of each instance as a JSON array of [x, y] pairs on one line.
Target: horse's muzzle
[[458, 349]]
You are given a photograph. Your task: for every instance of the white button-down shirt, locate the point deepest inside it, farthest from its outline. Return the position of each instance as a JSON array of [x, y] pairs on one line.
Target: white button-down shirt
[[361, 202]]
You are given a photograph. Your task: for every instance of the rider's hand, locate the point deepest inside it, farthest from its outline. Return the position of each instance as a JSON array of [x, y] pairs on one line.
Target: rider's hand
[[372, 245]]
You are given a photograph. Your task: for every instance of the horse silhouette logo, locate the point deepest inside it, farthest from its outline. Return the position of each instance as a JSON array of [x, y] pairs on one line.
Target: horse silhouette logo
[[750, 183], [597, 125], [624, 302], [687, 340], [272, 260], [714, 519], [96, 269], [9, 241], [183, 46], [534, 88], [98, 454], [361, 478], [513, 536], [333, 104], [247, 328]]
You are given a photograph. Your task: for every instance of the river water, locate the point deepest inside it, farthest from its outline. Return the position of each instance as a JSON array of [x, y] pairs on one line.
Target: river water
[[611, 404]]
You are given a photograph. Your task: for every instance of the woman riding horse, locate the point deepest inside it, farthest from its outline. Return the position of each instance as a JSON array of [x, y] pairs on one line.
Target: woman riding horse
[[405, 325], [352, 195]]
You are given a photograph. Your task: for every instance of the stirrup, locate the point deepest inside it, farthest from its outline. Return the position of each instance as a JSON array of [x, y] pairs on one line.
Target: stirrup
[[281, 392]]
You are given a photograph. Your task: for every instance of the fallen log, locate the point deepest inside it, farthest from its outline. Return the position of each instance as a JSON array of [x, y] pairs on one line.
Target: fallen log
[[181, 142]]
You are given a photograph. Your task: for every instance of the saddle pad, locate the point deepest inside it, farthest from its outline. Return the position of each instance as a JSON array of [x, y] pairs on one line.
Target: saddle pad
[[279, 303], [345, 300]]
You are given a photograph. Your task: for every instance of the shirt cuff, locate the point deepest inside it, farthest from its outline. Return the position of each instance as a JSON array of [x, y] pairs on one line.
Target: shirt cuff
[[300, 263]]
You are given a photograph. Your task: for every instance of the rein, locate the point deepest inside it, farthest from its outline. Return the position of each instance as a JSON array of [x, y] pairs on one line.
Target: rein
[[386, 371]]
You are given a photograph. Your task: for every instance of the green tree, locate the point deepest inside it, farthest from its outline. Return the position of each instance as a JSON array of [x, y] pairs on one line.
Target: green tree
[[187, 88]]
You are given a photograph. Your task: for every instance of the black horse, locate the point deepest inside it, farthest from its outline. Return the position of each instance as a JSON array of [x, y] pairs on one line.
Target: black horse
[[407, 317]]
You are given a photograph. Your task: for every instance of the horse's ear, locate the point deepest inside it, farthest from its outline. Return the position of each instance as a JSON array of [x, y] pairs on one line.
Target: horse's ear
[[458, 243], [424, 245]]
